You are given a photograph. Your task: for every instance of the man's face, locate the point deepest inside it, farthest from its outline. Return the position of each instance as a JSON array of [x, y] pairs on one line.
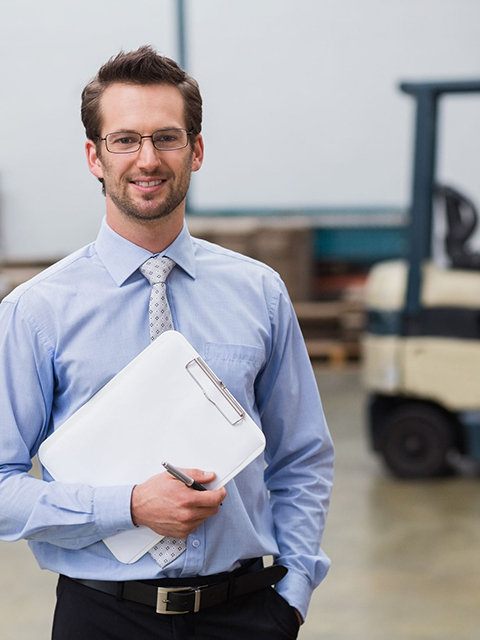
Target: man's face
[[149, 184]]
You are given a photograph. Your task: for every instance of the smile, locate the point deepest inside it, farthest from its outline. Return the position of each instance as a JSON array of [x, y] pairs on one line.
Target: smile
[[150, 183]]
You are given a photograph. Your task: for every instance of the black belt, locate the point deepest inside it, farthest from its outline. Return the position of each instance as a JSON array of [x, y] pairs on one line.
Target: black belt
[[193, 598]]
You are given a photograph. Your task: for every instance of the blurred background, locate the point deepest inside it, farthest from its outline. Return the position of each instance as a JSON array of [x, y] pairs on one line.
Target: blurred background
[[310, 166]]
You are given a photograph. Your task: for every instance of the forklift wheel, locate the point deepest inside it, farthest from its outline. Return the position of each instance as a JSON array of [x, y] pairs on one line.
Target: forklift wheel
[[415, 441]]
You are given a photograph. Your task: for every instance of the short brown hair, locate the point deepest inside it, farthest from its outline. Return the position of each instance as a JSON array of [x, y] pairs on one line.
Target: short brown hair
[[143, 67]]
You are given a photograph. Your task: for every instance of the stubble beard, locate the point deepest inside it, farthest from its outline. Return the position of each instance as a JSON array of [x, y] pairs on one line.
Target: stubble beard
[[118, 193], [131, 209]]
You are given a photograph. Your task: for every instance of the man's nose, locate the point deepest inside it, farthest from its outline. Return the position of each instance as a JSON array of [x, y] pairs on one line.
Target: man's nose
[[147, 155]]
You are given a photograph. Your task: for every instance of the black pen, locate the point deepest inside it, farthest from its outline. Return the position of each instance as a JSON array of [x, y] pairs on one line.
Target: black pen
[[180, 475]]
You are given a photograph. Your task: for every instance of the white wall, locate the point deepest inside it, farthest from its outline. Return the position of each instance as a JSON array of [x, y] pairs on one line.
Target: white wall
[[50, 204], [301, 103]]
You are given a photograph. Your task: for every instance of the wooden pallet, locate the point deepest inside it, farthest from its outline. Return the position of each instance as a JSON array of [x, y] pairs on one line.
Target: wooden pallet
[[318, 311], [332, 329], [335, 352]]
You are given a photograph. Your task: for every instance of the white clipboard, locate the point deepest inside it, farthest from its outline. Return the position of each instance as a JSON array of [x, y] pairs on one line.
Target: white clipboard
[[166, 405]]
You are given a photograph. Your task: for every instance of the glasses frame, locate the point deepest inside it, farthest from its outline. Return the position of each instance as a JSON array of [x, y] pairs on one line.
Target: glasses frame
[[189, 133]]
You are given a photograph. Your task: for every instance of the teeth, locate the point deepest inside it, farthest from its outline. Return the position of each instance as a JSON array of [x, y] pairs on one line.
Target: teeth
[[151, 183]]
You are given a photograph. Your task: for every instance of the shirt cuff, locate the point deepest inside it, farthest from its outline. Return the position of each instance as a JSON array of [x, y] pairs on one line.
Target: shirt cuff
[[112, 509], [296, 590]]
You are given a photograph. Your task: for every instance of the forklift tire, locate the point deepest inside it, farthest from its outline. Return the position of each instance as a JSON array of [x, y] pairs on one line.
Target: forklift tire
[[415, 441]]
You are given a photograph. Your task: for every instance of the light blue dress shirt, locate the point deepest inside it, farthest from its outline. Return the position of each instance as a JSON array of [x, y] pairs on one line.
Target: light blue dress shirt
[[67, 332]]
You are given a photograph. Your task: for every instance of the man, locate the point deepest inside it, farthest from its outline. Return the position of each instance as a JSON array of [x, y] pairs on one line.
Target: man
[[67, 332]]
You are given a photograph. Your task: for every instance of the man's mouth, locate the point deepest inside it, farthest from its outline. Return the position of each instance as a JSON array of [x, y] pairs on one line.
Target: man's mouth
[[148, 183]]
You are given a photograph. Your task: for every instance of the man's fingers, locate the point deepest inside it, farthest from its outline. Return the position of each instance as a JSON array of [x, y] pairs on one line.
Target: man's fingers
[[210, 499], [167, 506], [203, 477]]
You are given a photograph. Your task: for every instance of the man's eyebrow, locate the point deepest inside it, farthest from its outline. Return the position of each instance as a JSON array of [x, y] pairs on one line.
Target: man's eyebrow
[[126, 130]]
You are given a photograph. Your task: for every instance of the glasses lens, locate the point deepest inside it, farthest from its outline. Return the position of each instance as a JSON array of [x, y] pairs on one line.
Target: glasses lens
[[170, 139], [123, 142]]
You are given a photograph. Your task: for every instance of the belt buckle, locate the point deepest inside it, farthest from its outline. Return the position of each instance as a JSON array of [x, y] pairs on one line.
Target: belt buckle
[[162, 599]]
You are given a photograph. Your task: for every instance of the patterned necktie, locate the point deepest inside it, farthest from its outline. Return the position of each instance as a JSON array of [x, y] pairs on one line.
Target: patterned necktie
[[156, 271]]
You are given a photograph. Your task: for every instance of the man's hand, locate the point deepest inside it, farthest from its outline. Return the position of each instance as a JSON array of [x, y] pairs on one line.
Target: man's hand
[[169, 508]]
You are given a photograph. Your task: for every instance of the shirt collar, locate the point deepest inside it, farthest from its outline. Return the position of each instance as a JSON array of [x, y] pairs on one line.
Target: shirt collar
[[122, 258]]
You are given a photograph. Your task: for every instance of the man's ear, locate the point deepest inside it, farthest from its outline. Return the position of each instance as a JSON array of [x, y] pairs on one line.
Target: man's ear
[[197, 156], [93, 159]]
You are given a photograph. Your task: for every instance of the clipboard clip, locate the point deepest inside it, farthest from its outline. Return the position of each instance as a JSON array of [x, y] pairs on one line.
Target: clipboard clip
[[215, 391]]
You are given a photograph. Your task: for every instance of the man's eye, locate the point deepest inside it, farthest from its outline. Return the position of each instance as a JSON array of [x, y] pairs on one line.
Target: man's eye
[[167, 138], [122, 140]]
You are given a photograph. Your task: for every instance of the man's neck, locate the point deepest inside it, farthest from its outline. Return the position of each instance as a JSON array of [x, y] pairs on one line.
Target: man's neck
[[153, 235]]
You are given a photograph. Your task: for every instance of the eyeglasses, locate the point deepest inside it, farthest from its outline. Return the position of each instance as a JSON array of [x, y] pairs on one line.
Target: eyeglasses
[[130, 142]]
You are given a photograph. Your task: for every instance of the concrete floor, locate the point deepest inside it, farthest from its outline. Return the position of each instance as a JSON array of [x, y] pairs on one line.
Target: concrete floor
[[405, 555]]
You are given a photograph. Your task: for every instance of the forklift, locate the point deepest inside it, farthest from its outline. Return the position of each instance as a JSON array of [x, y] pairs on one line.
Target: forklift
[[422, 342]]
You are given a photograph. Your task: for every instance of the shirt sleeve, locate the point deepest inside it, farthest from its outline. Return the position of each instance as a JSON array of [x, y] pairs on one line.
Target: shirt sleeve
[[299, 455], [72, 516]]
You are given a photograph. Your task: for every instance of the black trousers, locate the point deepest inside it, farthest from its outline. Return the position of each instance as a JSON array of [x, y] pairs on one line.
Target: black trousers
[[83, 613]]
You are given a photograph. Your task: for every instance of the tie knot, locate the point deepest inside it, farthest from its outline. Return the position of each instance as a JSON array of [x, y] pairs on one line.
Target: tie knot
[[157, 269]]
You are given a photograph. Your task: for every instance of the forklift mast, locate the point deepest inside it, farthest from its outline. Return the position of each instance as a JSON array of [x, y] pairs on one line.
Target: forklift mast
[[427, 96]]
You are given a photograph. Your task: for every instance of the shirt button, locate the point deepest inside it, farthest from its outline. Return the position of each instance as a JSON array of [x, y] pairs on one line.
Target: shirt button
[[196, 543]]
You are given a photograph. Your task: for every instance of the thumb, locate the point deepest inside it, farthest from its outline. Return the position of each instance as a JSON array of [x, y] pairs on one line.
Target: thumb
[[201, 476]]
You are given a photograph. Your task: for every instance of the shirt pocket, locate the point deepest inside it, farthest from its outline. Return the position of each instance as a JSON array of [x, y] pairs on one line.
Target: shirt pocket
[[237, 366]]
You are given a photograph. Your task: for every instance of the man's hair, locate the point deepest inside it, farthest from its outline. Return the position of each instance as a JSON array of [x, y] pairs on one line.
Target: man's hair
[[142, 67]]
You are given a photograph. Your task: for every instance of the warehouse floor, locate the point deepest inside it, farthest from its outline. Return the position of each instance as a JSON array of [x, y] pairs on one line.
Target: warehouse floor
[[405, 555]]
